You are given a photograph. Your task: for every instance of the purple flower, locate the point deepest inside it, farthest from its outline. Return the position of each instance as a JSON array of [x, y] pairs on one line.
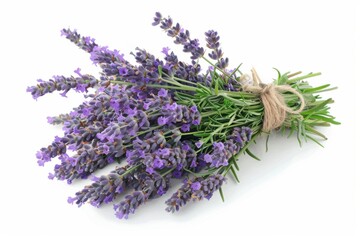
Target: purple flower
[[194, 109], [162, 121], [208, 186], [71, 200], [181, 114], [185, 127], [77, 71], [165, 152], [161, 191], [61, 83], [186, 147], [223, 151], [109, 60], [208, 158], [81, 87], [195, 189], [115, 104], [162, 93], [148, 186], [198, 144], [51, 176], [158, 163], [148, 64], [180, 198], [60, 119], [196, 122], [131, 112], [212, 39], [165, 51], [223, 63], [130, 204], [50, 120], [146, 105], [43, 156], [195, 186], [181, 37], [81, 165], [105, 188], [177, 173], [219, 145], [157, 19], [123, 71], [110, 159], [67, 159], [105, 149], [150, 170], [85, 43], [174, 31], [86, 112], [166, 23], [101, 136]]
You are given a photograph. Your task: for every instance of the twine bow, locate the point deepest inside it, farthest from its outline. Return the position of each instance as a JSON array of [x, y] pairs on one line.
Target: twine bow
[[275, 108]]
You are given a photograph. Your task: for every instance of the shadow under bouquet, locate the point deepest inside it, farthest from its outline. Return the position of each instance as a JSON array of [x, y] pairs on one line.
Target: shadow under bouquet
[[169, 119]]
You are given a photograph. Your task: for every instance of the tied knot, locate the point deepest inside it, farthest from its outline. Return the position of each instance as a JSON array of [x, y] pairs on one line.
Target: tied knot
[[275, 108], [265, 88]]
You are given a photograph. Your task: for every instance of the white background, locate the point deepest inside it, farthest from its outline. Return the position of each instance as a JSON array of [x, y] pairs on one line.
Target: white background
[[293, 193]]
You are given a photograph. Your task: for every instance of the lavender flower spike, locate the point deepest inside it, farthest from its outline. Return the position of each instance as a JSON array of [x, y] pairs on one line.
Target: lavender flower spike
[[61, 83], [85, 43], [206, 188], [130, 204], [223, 151], [181, 36], [148, 186], [180, 197], [57, 147], [104, 189], [195, 189], [212, 39]]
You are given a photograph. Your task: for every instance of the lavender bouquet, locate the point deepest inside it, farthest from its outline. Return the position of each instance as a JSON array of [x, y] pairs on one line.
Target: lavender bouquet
[[169, 119]]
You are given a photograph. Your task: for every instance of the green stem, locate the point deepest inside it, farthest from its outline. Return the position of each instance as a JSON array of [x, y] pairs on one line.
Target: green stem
[[146, 131], [239, 94], [173, 82], [207, 114], [167, 172], [180, 79], [183, 87], [294, 80], [191, 133], [130, 170]]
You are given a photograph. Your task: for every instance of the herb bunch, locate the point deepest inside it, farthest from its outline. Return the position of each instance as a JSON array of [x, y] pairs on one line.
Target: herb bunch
[[166, 119]]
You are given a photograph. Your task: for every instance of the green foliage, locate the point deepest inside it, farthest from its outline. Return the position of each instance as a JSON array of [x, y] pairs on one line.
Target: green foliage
[[223, 110]]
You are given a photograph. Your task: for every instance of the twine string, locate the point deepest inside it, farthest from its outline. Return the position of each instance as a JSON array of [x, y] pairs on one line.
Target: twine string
[[275, 108]]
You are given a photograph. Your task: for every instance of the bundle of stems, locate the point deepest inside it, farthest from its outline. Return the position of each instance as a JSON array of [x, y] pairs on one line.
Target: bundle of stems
[[169, 119]]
